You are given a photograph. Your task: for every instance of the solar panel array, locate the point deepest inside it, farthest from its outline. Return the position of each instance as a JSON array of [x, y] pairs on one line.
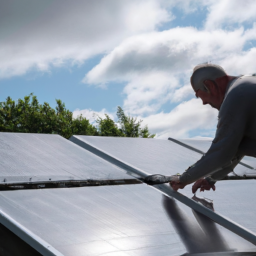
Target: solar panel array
[[123, 220]]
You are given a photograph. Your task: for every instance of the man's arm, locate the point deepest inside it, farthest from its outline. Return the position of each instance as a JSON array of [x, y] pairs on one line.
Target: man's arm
[[209, 182], [233, 118], [246, 148]]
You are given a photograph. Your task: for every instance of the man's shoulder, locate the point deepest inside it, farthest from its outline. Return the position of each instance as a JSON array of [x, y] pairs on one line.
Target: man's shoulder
[[241, 87], [243, 81], [240, 95]]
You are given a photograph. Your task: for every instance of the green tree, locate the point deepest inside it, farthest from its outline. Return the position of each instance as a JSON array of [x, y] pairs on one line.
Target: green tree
[[31, 117], [82, 126], [107, 127], [129, 126], [27, 115]]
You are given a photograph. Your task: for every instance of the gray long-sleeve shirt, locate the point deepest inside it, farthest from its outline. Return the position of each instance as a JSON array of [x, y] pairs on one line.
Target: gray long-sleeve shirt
[[235, 135]]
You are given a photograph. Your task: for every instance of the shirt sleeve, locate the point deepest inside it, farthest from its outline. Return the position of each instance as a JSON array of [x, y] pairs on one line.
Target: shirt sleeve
[[231, 127], [219, 175], [247, 147]]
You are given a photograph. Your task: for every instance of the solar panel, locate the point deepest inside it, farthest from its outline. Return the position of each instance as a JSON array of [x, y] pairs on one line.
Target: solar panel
[[95, 220], [115, 220], [113, 155], [125, 220], [43, 157], [150, 155]]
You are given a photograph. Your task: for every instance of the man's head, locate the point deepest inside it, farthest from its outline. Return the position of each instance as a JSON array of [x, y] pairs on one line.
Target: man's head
[[209, 82]]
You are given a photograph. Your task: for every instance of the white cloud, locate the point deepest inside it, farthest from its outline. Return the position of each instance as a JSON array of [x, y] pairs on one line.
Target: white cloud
[[92, 115], [182, 93], [155, 65], [41, 34], [227, 13], [183, 119], [175, 51], [148, 92], [241, 63]]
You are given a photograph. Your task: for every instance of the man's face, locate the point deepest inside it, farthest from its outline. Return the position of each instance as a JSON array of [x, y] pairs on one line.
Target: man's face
[[208, 98], [215, 93]]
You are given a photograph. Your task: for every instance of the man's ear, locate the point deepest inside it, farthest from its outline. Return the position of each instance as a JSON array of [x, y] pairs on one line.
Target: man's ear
[[210, 85]]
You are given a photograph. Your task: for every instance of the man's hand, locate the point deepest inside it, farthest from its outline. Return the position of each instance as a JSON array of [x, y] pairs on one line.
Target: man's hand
[[203, 184], [176, 184]]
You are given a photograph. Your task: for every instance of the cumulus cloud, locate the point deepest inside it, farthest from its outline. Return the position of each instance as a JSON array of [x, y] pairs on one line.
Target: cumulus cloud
[[186, 117], [230, 13], [38, 34], [92, 115], [174, 51], [182, 93], [148, 92], [156, 65], [241, 63]]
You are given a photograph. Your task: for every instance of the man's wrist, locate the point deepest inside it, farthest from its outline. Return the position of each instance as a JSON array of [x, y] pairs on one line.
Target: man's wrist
[[210, 180]]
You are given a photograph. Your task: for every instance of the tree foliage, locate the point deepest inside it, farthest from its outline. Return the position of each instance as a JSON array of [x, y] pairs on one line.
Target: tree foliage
[[28, 116], [107, 127], [128, 126]]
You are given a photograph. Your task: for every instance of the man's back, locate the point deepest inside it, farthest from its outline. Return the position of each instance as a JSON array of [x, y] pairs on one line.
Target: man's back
[[240, 104]]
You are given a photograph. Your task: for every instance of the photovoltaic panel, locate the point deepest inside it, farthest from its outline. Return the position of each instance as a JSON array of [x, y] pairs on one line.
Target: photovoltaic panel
[[43, 157], [125, 220], [113, 155], [150, 155], [96, 220]]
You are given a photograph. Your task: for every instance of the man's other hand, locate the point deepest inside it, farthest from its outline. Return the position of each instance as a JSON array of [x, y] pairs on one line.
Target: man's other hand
[[203, 184]]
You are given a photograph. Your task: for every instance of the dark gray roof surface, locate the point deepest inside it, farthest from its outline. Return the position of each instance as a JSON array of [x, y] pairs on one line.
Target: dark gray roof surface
[[40, 157]]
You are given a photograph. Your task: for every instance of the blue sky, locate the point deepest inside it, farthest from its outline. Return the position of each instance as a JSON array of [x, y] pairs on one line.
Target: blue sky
[[139, 55]]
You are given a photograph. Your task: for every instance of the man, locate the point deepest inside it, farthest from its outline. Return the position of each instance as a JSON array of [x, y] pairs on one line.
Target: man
[[235, 98]]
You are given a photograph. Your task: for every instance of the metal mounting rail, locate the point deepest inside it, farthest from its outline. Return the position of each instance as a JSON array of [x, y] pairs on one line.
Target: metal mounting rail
[[168, 191], [64, 184]]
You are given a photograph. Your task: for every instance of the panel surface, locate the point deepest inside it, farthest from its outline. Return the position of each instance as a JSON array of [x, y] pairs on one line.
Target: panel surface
[[126, 220], [44, 157], [150, 155], [201, 144], [142, 159], [119, 220]]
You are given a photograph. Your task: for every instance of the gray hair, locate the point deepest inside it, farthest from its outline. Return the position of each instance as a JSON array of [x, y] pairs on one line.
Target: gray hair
[[204, 72]]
